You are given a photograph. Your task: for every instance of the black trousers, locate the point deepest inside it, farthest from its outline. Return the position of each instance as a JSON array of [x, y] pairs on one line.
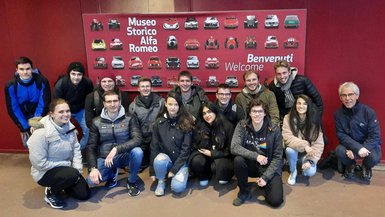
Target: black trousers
[[204, 167], [244, 168], [68, 179]]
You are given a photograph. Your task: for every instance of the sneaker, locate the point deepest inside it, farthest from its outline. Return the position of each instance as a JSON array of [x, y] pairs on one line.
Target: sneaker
[[223, 182], [349, 171], [241, 200], [366, 174], [292, 178], [133, 189], [159, 191], [53, 200], [114, 181], [204, 183]]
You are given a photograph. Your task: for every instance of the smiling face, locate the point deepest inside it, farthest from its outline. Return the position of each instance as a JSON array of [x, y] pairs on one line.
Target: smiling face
[[252, 81], [185, 84], [76, 77], [24, 70], [61, 114], [257, 114], [301, 107], [282, 74], [107, 84], [112, 103], [223, 96], [208, 115], [144, 88], [348, 97], [172, 107]]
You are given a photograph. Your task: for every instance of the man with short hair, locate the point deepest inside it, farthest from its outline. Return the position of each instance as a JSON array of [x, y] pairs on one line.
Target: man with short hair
[[358, 131], [288, 84], [27, 95], [146, 107], [255, 90], [114, 142], [192, 96], [231, 111]]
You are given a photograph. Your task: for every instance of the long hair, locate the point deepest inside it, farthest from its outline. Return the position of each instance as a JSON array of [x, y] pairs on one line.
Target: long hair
[[311, 127], [185, 119], [215, 132]]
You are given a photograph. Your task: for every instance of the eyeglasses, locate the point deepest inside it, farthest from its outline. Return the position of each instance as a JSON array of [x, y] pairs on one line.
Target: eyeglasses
[[257, 111], [224, 94], [347, 95]]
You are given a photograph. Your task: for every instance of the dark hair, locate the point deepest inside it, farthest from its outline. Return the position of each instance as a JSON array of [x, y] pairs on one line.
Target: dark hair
[[223, 86], [56, 102], [249, 72], [185, 119], [257, 102], [310, 128], [75, 66], [23, 60], [143, 79], [109, 93], [185, 73]]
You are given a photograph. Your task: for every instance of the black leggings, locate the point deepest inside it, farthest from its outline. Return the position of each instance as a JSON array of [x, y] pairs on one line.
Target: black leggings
[[244, 168], [204, 166], [68, 179]]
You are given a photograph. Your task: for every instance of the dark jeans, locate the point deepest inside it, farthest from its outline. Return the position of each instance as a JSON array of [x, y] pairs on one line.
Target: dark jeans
[[68, 179], [244, 168], [370, 161], [203, 167]]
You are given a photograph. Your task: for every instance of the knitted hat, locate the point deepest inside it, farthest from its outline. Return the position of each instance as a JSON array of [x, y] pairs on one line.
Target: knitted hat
[[75, 66], [106, 75]]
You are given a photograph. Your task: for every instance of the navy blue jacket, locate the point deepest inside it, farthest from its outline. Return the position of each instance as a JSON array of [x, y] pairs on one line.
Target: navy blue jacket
[[358, 127]]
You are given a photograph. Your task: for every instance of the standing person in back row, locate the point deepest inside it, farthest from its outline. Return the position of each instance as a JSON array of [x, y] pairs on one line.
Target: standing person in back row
[[27, 95], [74, 87], [358, 131]]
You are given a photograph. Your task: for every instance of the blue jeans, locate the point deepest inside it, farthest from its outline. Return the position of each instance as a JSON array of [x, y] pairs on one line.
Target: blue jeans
[[80, 118], [162, 164], [292, 157], [132, 158]]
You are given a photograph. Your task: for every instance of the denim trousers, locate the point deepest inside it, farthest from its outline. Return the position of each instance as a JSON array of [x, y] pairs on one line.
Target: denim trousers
[[292, 157], [80, 118], [162, 164]]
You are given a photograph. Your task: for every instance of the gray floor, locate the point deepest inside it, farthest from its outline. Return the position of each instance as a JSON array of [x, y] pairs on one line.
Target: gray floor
[[326, 194]]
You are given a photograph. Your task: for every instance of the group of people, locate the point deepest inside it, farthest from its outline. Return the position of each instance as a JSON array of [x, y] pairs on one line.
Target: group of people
[[183, 134]]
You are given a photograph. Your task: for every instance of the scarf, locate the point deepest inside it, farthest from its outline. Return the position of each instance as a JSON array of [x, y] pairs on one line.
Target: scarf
[[289, 98], [146, 100]]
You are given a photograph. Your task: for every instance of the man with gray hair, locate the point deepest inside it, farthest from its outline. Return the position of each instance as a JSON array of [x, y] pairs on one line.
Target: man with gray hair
[[358, 131]]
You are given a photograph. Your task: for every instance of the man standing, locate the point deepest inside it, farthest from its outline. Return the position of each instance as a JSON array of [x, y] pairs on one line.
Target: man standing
[[288, 84], [192, 96], [27, 95], [114, 142], [232, 112], [358, 131], [254, 90], [146, 107]]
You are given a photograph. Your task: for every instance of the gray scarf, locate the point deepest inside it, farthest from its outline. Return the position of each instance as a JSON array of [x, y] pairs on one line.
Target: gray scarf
[[289, 98]]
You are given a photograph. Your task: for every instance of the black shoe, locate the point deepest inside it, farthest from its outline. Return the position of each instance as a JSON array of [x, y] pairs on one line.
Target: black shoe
[[133, 189], [241, 199], [349, 171], [114, 181], [53, 200], [366, 174]]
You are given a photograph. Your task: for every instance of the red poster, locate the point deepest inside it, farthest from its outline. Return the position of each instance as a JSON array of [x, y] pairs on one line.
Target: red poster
[[216, 47]]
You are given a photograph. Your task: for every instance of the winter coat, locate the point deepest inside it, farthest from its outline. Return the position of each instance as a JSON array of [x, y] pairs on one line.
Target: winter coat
[[233, 112], [52, 146], [197, 98]]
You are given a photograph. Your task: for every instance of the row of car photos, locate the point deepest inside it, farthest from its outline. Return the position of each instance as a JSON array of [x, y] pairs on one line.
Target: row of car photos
[[230, 22], [231, 81], [210, 44]]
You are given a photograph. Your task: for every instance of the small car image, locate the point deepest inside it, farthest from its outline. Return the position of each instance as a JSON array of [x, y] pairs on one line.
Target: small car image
[[96, 25], [171, 24], [231, 81], [135, 63], [98, 44], [192, 62], [172, 82], [156, 81], [196, 81], [212, 81], [271, 21], [211, 23], [191, 44], [191, 23], [212, 63], [134, 80], [154, 63], [116, 44], [250, 22], [291, 21], [100, 63], [119, 81], [291, 43], [231, 22], [114, 24], [212, 44], [250, 42], [231, 43], [117, 62], [172, 43], [271, 42], [172, 63]]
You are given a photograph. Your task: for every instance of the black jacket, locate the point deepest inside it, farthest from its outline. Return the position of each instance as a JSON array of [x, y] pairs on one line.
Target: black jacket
[[233, 112]]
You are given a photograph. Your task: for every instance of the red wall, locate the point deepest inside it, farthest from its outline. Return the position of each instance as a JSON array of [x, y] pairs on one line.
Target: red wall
[[344, 43]]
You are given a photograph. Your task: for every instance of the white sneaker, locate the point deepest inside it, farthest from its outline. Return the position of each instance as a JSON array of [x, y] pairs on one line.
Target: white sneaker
[[204, 183], [292, 178], [223, 182]]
